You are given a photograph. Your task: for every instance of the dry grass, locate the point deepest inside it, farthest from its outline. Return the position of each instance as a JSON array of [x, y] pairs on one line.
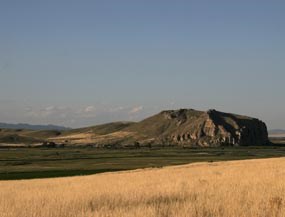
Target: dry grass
[[226, 189], [89, 138], [75, 138]]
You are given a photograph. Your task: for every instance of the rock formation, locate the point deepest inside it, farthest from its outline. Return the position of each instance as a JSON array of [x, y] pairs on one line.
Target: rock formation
[[184, 127], [205, 129]]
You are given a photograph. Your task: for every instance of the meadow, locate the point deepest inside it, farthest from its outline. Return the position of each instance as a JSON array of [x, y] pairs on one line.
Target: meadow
[[28, 163], [254, 188]]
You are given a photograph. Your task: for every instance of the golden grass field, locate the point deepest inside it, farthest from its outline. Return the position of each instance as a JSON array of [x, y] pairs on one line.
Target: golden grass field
[[226, 189]]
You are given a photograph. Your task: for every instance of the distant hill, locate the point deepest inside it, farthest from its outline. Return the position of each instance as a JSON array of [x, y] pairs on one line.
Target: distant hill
[[276, 131], [184, 127], [102, 129], [80, 135], [31, 127]]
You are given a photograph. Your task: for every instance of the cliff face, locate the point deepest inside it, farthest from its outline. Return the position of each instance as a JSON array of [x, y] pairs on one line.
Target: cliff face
[[238, 130], [204, 129]]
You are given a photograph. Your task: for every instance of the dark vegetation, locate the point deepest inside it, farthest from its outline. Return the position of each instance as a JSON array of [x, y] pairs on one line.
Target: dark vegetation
[[28, 163], [23, 136]]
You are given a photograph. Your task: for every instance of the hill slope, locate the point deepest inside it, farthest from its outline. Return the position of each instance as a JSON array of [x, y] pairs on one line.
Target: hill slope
[[24, 136], [100, 135], [197, 128], [185, 127]]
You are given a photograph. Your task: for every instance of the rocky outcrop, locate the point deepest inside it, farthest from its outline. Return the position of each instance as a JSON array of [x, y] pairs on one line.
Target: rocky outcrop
[[184, 127], [188, 127], [238, 130]]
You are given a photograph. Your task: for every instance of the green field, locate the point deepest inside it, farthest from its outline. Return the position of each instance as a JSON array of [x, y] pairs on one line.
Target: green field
[[27, 163]]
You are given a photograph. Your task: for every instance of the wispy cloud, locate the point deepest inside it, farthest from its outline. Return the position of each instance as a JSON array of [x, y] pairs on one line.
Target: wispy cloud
[[117, 109], [48, 111], [89, 109], [85, 115], [136, 109]]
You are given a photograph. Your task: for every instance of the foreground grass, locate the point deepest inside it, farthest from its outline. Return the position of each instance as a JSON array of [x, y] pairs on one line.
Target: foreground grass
[[254, 188], [27, 163]]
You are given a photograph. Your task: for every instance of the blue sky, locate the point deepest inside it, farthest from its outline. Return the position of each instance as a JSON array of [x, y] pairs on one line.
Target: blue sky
[[78, 63]]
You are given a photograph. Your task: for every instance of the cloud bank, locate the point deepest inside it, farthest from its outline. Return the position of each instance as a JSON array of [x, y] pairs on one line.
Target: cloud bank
[[85, 115]]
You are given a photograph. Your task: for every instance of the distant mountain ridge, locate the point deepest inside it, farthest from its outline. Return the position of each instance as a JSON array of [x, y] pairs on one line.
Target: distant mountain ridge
[[276, 131], [32, 127]]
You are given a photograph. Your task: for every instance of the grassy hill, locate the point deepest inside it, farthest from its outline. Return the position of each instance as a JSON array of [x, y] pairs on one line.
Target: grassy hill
[[100, 129], [24, 136]]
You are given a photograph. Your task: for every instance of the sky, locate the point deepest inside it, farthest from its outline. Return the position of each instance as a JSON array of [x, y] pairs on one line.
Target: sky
[[86, 62]]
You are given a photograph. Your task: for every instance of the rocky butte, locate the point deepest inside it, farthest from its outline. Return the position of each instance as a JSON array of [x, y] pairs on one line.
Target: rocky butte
[[184, 127], [212, 128], [189, 127]]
